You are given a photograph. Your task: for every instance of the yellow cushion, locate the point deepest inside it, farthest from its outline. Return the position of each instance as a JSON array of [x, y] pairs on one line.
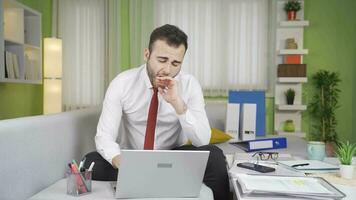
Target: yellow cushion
[[217, 136]]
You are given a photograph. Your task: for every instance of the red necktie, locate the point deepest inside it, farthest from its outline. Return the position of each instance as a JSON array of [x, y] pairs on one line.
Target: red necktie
[[151, 122]]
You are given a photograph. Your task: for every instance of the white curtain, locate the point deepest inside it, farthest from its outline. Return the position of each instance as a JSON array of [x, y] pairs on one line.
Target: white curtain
[[227, 40], [90, 49]]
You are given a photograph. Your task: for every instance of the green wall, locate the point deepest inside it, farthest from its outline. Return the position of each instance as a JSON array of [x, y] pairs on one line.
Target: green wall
[[331, 40], [125, 35], [354, 100], [17, 100]]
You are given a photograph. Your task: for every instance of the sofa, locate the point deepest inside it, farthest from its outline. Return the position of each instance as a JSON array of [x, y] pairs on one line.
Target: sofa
[[34, 150]]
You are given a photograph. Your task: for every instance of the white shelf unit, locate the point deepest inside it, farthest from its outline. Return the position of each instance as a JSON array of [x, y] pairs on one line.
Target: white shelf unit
[[291, 107], [292, 80], [296, 133], [283, 30], [21, 35], [296, 23], [293, 51]]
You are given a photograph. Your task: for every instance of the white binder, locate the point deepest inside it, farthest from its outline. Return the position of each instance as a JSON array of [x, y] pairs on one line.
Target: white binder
[[232, 120], [248, 122]]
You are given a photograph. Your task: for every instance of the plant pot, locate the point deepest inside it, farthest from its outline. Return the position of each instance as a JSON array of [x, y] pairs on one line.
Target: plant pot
[[290, 100], [289, 126], [316, 150], [347, 171], [330, 149], [292, 15]]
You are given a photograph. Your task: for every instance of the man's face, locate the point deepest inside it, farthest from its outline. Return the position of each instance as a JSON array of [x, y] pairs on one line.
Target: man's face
[[164, 60]]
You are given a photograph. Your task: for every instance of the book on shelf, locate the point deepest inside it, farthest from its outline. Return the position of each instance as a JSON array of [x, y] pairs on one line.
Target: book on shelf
[[9, 65], [32, 69], [6, 73], [15, 63]]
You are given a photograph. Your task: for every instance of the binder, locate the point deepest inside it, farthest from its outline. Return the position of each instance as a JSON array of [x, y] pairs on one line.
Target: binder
[[248, 122], [232, 120], [255, 97], [262, 144]]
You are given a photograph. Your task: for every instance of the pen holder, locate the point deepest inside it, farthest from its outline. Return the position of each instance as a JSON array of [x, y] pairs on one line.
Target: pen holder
[[78, 183]]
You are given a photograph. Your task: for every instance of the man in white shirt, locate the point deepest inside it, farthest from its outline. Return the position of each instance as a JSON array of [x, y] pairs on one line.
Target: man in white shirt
[[159, 107]]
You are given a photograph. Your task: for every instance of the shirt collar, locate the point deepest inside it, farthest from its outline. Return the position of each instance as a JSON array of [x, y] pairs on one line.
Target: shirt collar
[[144, 76]]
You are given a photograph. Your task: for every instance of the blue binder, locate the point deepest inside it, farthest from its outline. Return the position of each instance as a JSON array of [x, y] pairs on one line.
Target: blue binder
[[262, 144]]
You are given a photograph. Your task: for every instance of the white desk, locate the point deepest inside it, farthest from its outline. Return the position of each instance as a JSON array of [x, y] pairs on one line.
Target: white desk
[[101, 190], [297, 148]]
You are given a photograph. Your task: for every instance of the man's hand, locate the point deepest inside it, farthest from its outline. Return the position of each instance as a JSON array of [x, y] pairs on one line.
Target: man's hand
[[116, 161], [168, 88]]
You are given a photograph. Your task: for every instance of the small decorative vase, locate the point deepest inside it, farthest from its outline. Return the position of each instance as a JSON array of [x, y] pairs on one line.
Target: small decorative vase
[[347, 171], [292, 15], [290, 100], [291, 44], [289, 126], [316, 150]]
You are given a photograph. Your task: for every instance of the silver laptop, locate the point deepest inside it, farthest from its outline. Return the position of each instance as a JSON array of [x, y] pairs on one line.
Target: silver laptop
[[161, 173]]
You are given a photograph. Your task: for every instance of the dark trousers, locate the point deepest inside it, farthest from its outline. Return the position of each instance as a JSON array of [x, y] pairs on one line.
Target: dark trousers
[[215, 177]]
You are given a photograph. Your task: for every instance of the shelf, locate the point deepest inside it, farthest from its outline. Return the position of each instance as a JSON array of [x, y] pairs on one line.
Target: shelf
[[8, 80], [30, 46], [293, 51], [292, 79], [297, 134], [12, 42], [291, 107], [21, 38], [295, 23]]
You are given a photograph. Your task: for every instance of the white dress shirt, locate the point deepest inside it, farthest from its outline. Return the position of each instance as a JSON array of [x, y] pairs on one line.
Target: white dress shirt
[[127, 102]]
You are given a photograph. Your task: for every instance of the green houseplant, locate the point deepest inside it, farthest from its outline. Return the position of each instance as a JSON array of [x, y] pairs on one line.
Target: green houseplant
[[323, 108], [292, 7], [344, 152], [290, 94], [289, 126]]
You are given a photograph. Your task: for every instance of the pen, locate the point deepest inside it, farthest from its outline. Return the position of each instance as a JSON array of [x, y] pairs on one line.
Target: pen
[[81, 164], [300, 165], [91, 166]]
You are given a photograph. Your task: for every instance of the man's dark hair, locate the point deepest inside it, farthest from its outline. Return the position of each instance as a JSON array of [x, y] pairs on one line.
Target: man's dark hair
[[169, 33]]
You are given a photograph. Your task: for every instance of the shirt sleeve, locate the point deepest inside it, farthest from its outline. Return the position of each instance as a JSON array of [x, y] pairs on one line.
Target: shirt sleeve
[[194, 122], [109, 122]]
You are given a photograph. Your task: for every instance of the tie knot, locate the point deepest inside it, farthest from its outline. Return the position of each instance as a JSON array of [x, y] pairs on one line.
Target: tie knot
[[155, 90]]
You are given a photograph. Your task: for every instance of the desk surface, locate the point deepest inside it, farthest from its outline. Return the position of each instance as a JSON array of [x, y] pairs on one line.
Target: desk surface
[[297, 148], [101, 190]]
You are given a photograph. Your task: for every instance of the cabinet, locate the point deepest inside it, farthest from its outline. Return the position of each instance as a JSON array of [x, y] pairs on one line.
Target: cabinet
[[20, 44], [284, 30]]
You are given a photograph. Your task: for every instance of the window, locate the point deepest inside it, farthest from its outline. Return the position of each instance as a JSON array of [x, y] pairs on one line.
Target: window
[[227, 39]]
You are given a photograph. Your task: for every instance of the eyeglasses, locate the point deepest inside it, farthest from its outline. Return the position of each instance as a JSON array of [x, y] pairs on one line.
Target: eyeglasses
[[266, 156]]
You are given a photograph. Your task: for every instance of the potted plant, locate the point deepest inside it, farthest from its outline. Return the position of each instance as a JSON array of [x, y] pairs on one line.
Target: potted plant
[[292, 7], [344, 152], [290, 94], [289, 126], [323, 108]]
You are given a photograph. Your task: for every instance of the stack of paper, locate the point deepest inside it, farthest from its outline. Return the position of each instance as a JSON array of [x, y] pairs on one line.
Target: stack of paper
[[284, 187]]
